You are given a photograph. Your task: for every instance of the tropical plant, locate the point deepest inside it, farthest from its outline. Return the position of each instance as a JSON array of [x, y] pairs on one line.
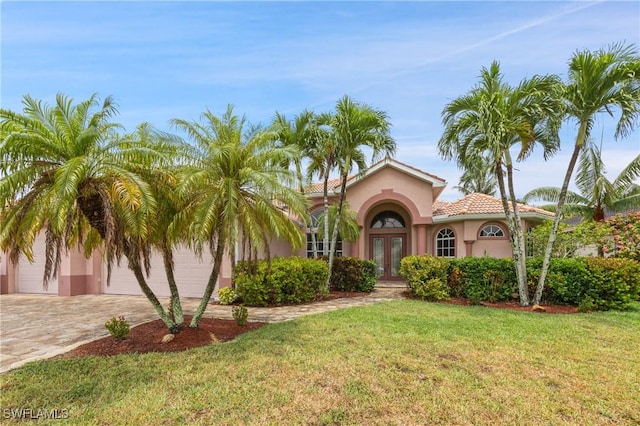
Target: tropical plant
[[66, 171], [349, 230], [602, 81], [488, 122], [304, 133], [478, 177], [236, 190], [355, 126], [597, 193]]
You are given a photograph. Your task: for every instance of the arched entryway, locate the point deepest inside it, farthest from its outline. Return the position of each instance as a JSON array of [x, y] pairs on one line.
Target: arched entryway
[[388, 240]]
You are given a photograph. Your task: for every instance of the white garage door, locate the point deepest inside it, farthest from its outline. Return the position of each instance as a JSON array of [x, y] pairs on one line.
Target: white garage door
[[191, 275], [29, 277]]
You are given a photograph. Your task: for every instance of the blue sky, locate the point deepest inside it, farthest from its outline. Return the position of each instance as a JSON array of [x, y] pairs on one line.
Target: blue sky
[[164, 60]]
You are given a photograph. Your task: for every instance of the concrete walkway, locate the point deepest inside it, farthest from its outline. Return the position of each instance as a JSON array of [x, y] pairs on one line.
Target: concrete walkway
[[35, 326]]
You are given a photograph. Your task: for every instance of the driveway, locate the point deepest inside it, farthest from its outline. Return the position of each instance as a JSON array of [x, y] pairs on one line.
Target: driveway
[[35, 326]]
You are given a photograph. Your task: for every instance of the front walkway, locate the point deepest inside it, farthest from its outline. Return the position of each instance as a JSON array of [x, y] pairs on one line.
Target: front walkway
[[35, 326]]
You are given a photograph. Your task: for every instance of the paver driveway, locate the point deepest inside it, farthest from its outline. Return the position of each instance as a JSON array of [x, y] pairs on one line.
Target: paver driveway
[[34, 326]]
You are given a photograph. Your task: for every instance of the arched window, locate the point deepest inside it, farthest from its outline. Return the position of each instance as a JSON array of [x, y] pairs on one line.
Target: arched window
[[492, 231], [387, 219], [446, 243]]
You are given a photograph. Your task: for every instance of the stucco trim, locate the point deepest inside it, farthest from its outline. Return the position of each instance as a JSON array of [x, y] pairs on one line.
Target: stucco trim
[[387, 195]]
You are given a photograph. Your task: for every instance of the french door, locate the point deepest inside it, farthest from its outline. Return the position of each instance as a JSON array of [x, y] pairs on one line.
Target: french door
[[386, 250]]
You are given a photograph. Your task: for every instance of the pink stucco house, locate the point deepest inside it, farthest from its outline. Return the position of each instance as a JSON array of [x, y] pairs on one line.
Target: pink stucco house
[[398, 212]]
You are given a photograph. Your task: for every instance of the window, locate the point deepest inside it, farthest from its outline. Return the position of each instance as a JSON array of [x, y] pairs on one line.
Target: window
[[530, 248], [446, 243], [492, 231], [387, 219], [320, 246]]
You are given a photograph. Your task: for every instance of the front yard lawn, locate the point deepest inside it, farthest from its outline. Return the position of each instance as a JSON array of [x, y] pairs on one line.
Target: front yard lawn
[[403, 362]]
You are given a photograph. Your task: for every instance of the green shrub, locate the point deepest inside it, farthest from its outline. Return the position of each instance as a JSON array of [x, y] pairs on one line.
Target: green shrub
[[613, 283], [118, 328], [282, 281], [226, 295], [353, 274], [482, 279], [240, 314], [591, 283], [426, 276]]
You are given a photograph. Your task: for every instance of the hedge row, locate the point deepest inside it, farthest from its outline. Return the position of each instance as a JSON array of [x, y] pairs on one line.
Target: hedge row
[[589, 283], [298, 280], [281, 281]]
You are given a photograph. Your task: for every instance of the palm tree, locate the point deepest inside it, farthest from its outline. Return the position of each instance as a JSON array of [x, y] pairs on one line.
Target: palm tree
[[478, 177], [349, 228], [236, 189], [163, 179], [64, 169], [323, 160], [597, 193], [303, 133], [355, 126], [491, 120], [598, 82]]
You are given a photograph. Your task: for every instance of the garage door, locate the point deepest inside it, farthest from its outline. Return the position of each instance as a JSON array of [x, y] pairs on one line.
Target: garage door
[[29, 275], [191, 275]]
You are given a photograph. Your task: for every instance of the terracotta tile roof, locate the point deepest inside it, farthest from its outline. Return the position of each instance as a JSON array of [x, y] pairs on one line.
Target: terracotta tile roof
[[317, 188], [477, 203]]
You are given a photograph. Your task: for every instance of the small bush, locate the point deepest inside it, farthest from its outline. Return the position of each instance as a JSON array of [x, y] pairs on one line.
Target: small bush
[[426, 276], [353, 274], [612, 283], [118, 328], [240, 314], [226, 295], [282, 281]]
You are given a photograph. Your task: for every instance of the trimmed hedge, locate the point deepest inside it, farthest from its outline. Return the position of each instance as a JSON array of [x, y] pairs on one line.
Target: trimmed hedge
[[482, 279], [281, 281], [353, 274], [589, 283]]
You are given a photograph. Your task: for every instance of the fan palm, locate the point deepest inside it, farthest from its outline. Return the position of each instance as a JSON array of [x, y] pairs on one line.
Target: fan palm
[[355, 126], [600, 81], [597, 193], [488, 122], [66, 171], [236, 189]]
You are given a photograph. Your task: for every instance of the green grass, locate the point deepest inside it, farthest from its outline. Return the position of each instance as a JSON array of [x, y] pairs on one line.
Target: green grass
[[404, 362]]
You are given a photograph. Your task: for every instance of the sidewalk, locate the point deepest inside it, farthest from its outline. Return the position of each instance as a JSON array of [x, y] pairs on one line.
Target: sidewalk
[[35, 326]]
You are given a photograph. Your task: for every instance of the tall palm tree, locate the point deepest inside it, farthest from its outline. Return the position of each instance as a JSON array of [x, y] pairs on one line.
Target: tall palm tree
[[64, 169], [355, 126], [236, 188], [323, 160], [478, 177], [597, 193], [600, 81], [490, 121], [304, 133]]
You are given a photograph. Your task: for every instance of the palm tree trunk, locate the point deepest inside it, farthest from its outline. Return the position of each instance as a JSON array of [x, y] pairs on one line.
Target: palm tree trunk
[[134, 265], [176, 306], [336, 225], [580, 139], [523, 291], [213, 279], [325, 192], [519, 254]]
